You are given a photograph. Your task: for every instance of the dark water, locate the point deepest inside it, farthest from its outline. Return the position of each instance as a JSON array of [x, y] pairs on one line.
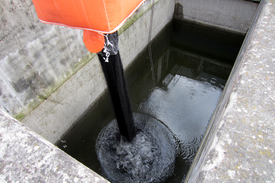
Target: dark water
[[149, 157], [191, 64]]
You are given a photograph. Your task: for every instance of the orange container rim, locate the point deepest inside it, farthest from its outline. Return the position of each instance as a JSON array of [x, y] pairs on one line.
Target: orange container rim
[[99, 31]]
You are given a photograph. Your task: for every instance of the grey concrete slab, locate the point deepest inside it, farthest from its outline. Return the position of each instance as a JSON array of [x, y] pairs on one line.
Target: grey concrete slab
[[240, 146], [234, 15], [27, 157]]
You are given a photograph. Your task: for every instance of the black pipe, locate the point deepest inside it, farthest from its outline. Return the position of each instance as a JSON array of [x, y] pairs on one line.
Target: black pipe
[[114, 75]]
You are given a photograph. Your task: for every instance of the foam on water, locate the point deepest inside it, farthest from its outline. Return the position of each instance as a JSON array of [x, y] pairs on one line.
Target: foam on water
[[150, 157]]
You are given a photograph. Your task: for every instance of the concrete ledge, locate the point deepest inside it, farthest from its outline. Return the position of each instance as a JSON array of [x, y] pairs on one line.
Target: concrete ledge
[[27, 157], [234, 15], [239, 145]]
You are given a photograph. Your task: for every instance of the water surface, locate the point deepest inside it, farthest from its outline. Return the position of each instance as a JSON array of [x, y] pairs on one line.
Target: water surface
[[191, 65]]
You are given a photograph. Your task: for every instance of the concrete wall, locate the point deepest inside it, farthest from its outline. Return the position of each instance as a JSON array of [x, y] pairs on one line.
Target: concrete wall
[[35, 58], [235, 15]]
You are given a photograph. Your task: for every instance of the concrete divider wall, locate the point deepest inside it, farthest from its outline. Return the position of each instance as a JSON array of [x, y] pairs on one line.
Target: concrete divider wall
[[235, 15]]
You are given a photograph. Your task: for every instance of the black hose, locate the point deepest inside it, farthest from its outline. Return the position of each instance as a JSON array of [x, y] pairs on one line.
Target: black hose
[[114, 75]]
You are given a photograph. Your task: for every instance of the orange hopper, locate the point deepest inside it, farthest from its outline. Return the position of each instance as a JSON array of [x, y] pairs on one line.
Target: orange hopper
[[95, 17]]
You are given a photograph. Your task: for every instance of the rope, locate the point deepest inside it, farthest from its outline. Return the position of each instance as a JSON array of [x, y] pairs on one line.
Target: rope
[[149, 43]]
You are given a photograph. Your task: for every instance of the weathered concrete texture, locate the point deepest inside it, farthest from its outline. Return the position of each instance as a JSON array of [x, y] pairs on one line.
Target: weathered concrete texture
[[138, 35], [26, 157], [235, 15], [35, 58], [242, 148], [55, 115]]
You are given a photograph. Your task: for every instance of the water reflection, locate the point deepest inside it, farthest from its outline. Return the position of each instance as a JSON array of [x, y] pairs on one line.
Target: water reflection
[[185, 99]]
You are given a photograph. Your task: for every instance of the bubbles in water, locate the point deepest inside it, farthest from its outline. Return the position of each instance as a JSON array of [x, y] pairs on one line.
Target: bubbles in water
[[63, 141], [192, 94], [150, 157], [207, 85], [213, 80], [136, 157], [189, 83]]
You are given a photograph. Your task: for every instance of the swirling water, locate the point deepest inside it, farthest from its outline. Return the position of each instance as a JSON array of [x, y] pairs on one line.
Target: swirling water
[[150, 157]]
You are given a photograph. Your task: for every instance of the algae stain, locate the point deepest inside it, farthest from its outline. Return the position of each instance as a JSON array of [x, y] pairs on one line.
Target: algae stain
[[135, 17], [44, 95], [20, 116], [265, 152]]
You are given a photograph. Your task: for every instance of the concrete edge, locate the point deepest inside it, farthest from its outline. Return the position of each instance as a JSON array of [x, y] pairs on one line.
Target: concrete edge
[[27, 157], [215, 121]]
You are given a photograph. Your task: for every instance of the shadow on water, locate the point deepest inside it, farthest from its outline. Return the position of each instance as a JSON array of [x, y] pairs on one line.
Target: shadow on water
[[191, 63]]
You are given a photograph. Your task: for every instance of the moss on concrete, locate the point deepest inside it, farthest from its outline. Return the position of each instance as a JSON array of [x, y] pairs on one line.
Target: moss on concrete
[[44, 95], [20, 116], [135, 17]]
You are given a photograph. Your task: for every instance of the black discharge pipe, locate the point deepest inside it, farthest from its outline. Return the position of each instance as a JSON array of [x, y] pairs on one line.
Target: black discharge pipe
[[114, 74]]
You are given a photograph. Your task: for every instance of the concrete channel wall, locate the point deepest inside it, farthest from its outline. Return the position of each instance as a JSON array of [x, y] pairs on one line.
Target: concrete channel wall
[[231, 15]]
